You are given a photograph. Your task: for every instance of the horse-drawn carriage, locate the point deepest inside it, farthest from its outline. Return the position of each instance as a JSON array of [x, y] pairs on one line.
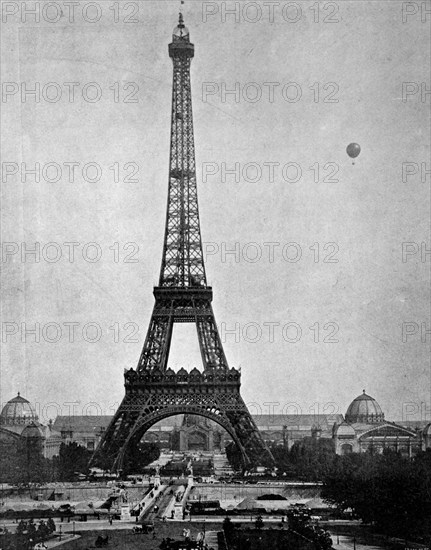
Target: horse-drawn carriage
[[144, 528]]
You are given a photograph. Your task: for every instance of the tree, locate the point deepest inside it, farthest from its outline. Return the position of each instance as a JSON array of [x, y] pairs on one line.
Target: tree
[[309, 459], [22, 463], [72, 458], [51, 525], [139, 456], [228, 527], [8, 464], [43, 531], [21, 528], [234, 456], [259, 522], [31, 530]]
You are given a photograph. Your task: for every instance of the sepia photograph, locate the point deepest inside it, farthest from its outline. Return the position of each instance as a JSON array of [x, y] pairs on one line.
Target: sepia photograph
[[215, 275]]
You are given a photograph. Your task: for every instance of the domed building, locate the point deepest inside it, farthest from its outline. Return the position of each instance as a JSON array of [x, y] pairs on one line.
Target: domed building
[[365, 429], [18, 420]]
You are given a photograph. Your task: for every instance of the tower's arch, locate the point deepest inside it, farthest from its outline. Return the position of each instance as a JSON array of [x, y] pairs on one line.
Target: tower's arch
[[141, 427]]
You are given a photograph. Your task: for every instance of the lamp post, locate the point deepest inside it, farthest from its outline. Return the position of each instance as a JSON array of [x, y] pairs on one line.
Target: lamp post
[[203, 541], [354, 543], [59, 537]]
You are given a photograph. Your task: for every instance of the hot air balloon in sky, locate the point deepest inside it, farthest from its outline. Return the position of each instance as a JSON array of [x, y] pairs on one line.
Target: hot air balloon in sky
[[353, 150]]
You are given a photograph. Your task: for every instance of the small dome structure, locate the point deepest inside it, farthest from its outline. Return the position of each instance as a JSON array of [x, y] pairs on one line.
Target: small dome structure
[[364, 409], [32, 431], [18, 411]]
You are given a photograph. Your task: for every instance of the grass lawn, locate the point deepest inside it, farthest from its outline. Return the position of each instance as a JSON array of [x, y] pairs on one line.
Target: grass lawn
[[127, 540]]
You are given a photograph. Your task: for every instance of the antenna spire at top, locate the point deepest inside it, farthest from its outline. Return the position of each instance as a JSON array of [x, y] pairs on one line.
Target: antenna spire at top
[[181, 15], [181, 20]]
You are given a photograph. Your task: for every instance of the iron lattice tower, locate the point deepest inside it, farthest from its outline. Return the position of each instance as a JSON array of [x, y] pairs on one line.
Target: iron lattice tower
[[154, 391]]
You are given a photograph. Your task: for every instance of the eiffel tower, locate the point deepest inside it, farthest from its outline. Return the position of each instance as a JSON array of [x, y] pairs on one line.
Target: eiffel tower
[[154, 391]]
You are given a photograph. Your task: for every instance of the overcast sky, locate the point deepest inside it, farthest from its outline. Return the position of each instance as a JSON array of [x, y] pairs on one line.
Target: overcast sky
[[310, 78]]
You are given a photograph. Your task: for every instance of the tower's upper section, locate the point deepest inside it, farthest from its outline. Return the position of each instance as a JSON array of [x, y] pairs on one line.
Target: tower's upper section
[[181, 45], [182, 262]]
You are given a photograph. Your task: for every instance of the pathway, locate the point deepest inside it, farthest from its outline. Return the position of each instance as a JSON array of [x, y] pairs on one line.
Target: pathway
[[53, 543], [149, 500], [166, 500], [346, 543], [211, 539]]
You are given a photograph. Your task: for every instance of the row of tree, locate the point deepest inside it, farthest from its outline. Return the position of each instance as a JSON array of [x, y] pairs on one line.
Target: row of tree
[[308, 460], [24, 463], [387, 490]]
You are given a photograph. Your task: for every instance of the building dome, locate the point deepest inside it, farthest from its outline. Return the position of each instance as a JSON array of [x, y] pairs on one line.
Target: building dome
[[18, 411], [364, 409]]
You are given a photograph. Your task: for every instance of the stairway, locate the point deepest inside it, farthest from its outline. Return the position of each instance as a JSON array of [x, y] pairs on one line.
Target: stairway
[[222, 468], [211, 540], [163, 459], [149, 501]]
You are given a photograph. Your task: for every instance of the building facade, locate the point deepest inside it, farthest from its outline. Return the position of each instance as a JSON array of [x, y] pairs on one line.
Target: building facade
[[363, 428]]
